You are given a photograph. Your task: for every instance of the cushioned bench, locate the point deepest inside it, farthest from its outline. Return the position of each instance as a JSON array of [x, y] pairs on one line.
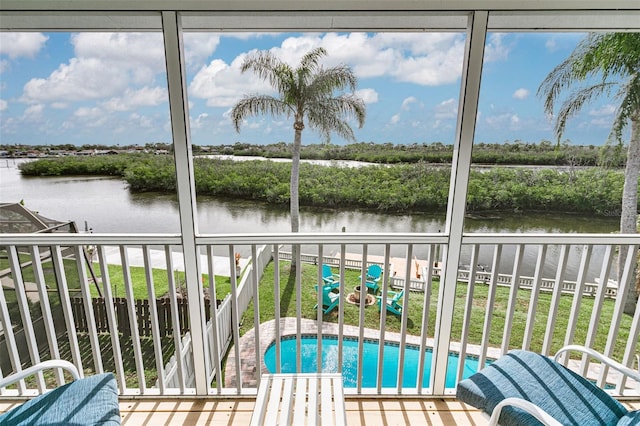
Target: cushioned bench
[[565, 396], [91, 400]]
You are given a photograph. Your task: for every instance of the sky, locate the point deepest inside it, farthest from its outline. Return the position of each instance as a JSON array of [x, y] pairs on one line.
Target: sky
[[110, 88]]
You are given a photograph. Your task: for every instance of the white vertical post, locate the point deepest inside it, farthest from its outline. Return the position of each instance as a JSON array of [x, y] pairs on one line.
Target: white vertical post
[[185, 183], [491, 299], [555, 300], [535, 293], [461, 163]]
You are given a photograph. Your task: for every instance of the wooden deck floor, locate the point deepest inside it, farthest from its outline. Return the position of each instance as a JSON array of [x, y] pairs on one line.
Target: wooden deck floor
[[359, 412], [385, 412]]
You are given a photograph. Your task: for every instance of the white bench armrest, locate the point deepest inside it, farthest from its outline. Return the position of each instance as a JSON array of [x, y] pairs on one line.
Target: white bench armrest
[[525, 405], [54, 363], [603, 359]]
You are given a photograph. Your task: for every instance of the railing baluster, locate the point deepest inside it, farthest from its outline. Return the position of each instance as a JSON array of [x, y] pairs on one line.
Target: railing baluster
[[341, 307], [153, 316], [276, 305], [45, 308], [361, 306], [175, 320], [111, 318], [9, 336], [27, 323], [256, 310], [597, 306], [555, 300], [215, 330], [625, 281], [88, 310], [298, 287], [491, 300], [404, 316], [65, 301], [577, 298], [133, 318], [468, 307], [320, 310], [428, 282], [383, 316], [513, 294], [235, 320], [631, 347], [535, 293]]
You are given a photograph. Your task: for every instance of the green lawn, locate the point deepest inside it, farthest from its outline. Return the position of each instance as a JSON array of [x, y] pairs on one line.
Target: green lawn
[[415, 307]]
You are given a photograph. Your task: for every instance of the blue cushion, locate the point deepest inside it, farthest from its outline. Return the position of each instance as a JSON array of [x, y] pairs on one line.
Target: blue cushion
[[565, 395], [632, 418], [89, 401]]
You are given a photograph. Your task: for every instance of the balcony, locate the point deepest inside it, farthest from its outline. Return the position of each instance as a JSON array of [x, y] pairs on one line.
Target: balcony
[[185, 328]]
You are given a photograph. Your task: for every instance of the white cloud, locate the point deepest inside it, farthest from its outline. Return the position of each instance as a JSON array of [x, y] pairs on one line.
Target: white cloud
[[140, 55], [80, 79], [105, 65], [551, 45], [406, 103], [3, 105], [605, 110], [521, 94], [17, 45], [369, 96], [200, 121], [495, 49], [502, 121], [198, 47], [222, 85], [132, 99], [446, 110], [420, 58], [395, 119], [33, 112]]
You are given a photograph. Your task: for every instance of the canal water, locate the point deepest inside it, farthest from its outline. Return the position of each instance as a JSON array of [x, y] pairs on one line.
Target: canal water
[[105, 205]]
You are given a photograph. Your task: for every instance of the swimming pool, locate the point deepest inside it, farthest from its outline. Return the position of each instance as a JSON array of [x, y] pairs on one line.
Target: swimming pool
[[309, 346]]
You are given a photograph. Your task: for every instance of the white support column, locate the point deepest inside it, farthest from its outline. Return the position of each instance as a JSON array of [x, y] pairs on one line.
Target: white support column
[[185, 183], [461, 164]]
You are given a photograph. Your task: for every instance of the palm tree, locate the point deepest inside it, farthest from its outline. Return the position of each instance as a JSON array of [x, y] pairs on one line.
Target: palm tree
[[608, 64], [308, 94]]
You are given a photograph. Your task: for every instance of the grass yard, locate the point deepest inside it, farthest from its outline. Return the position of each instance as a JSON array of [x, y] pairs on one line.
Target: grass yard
[[414, 305]]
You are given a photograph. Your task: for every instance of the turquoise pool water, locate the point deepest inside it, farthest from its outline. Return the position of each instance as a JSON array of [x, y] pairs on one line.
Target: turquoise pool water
[[309, 346]]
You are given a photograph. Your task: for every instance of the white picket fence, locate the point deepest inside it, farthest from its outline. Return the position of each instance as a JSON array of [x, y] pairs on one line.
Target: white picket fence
[[224, 325]]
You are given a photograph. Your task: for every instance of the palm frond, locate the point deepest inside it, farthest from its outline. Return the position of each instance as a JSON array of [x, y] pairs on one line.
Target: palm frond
[[629, 108], [575, 101], [270, 68], [331, 115], [258, 105], [611, 58]]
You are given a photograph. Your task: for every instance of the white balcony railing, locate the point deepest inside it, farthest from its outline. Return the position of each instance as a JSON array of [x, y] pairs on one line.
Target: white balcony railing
[[125, 311]]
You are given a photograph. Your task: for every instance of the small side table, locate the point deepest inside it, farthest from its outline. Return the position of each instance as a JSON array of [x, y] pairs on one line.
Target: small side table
[[300, 399]]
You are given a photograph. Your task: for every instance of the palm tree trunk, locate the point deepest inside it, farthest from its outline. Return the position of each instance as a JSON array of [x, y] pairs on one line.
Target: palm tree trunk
[[294, 199], [629, 214]]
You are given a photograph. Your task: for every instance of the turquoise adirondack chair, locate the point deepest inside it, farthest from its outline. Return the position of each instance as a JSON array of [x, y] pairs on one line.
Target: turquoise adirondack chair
[[374, 273], [329, 277], [329, 299], [393, 299]]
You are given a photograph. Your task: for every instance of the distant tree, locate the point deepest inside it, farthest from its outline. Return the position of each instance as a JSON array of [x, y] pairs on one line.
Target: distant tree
[[306, 94], [605, 63]]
